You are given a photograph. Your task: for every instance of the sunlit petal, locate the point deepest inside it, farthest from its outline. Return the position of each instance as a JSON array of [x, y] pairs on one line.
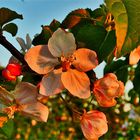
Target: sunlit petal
[[36, 110], [61, 43], [134, 56], [25, 93], [40, 59], [77, 83], [93, 124], [85, 59], [5, 96], [51, 84]]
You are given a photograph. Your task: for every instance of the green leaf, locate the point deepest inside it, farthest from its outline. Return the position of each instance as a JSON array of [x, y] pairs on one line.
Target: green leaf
[[46, 33], [114, 66], [54, 25], [136, 81], [8, 128], [120, 68], [107, 45], [122, 74], [11, 28], [118, 10], [43, 37], [74, 17], [133, 32], [89, 34], [7, 15]]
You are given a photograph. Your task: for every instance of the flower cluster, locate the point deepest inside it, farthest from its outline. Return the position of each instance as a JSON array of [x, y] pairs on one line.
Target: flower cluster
[[63, 66]]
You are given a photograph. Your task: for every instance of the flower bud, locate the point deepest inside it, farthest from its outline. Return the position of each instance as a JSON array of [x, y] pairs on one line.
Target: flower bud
[[93, 124], [14, 69], [107, 89]]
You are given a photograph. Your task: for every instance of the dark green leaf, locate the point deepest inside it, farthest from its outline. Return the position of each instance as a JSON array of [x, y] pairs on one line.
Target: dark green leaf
[[120, 68], [54, 25], [90, 35], [11, 28], [136, 80], [107, 45], [114, 66], [122, 74], [43, 37], [7, 15], [8, 128]]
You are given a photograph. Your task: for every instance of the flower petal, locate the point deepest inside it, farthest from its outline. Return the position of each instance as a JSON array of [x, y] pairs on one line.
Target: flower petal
[[61, 43], [134, 56], [5, 96], [40, 59], [51, 84], [25, 93], [36, 110], [77, 83], [86, 59], [93, 124]]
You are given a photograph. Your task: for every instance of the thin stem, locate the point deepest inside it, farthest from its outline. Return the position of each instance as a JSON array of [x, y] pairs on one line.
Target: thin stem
[[70, 108]]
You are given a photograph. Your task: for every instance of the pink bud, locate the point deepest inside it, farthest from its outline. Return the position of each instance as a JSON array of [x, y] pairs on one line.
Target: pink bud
[[93, 124], [107, 89]]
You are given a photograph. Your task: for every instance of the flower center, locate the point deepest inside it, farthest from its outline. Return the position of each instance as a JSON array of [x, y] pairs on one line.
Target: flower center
[[66, 62]]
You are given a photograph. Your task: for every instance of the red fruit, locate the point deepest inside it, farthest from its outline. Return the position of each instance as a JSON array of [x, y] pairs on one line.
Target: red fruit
[[7, 75], [14, 69]]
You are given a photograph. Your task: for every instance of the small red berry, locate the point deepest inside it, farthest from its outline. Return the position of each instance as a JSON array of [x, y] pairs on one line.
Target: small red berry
[[7, 75], [14, 69]]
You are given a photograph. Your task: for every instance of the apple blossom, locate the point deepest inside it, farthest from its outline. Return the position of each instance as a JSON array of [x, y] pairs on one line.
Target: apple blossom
[[62, 65], [25, 101], [107, 89]]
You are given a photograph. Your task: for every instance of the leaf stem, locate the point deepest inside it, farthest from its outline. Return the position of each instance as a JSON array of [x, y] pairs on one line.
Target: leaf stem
[[72, 110]]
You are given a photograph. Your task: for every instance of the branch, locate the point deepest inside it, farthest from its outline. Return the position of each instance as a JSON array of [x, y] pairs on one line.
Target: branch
[[4, 42], [12, 49]]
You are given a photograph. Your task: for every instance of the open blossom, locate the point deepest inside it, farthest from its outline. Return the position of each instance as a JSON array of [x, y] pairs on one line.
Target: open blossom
[[62, 65], [25, 96], [134, 56], [107, 89], [93, 124]]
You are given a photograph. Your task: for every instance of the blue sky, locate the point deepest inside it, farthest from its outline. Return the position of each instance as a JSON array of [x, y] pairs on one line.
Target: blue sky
[[37, 13]]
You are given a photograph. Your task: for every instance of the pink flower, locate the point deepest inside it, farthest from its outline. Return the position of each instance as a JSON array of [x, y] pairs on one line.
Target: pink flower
[[63, 65], [107, 89], [93, 124], [134, 56], [26, 100]]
